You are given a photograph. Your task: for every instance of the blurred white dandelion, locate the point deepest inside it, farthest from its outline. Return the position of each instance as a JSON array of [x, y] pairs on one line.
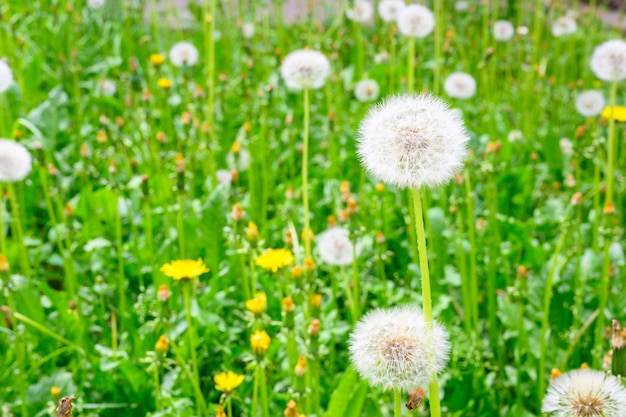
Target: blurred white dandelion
[[460, 85], [585, 393], [503, 30], [412, 140], [416, 20], [107, 87], [96, 4], [240, 161], [247, 30], [366, 90], [608, 61], [515, 136], [461, 6], [361, 11], [224, 177], [563, 26], [15, 161], [567, 147], [305, 69], [390, 9], [184, 54], [336, 248], [6, 76], [590, 103], [396, 348]]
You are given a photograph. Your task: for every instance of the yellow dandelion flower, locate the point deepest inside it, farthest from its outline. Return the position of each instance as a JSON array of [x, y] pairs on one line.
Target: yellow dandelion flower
[[162, 345], [157, 59], [274, 259], [4, 263], [55, 391], [227, 382], [184, 269], [619, 113], [165, 83], [260, 342], [257, 304]]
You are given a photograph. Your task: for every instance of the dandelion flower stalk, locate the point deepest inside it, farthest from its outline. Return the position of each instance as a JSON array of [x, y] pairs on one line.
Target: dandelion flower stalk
[[305, 175], [19, 230], [209, 34], [187, 288]]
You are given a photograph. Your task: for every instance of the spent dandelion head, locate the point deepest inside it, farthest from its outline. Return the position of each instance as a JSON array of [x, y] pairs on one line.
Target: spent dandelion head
[[416, 21], [410, 141], [305, 69], [247, 30], [184, 269], [360, 12], [503, 30], [585, 393], [227, 382], [397, 348], [563, 26], [590, 103], [96, 4], [460, 85], [274, 259], [366, 90], [608, 60], [335, 248], [184, 54], [389, 10], [6, 76], [15, 161]]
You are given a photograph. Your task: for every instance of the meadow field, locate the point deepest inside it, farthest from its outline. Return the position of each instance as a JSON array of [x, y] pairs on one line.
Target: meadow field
[[367, 208]]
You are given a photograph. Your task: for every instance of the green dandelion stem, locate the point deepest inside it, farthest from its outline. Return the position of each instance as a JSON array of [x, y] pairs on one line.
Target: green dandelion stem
[[19, 231], [410, 79], [191, 337], [305, 174], [397, 402]]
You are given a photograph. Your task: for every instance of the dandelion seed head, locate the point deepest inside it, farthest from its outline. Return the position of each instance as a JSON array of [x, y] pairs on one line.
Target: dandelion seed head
[[366, 90], [305, 69], [335, 247], [247, 30], [184, 54], [416, 20], [396, 348], [107, 87], [96, 4], [503, 30], [608, 61], [567, 147], [460, 85], [563, 26], [585, 393], [515, 136], [361, 11], [6, 77], [390, 9], [461, 6], [590, 103], [15, 161], [410, 141]]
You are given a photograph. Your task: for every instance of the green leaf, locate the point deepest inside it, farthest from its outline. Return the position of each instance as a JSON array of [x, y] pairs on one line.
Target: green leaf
[[342, 396]]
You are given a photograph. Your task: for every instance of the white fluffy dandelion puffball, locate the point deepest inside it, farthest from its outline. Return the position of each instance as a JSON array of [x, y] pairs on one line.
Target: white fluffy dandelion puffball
[[247, 30], [410, 141], [590, 103], [564, 25], [184, 53], [396, 348], [416, 20], [108, 88], [361, 11], [305, 69], [608, 61], [503, 30], [335, 247], [6, 76], [95, 4], [389, 10], [585, 393], [460, 85], [15, 161], [366, 90]]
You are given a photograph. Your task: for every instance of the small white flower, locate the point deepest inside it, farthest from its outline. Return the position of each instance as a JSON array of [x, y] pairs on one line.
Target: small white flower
[[396, 348], [15, 161], [564, 26], [6, 77], [522, 30], [608, 61], [585, 393], [184, 53], [410, 141], [96, 4], [567, 147], [366, 90], [224, 177], [335, 247], [503, 30], [461, 6], [107, 87], [382, 56], [460, 85], [515, 136], [416, 20], [247, 30], [390, 9], [361, 11], [590, 103], [305, 69]]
